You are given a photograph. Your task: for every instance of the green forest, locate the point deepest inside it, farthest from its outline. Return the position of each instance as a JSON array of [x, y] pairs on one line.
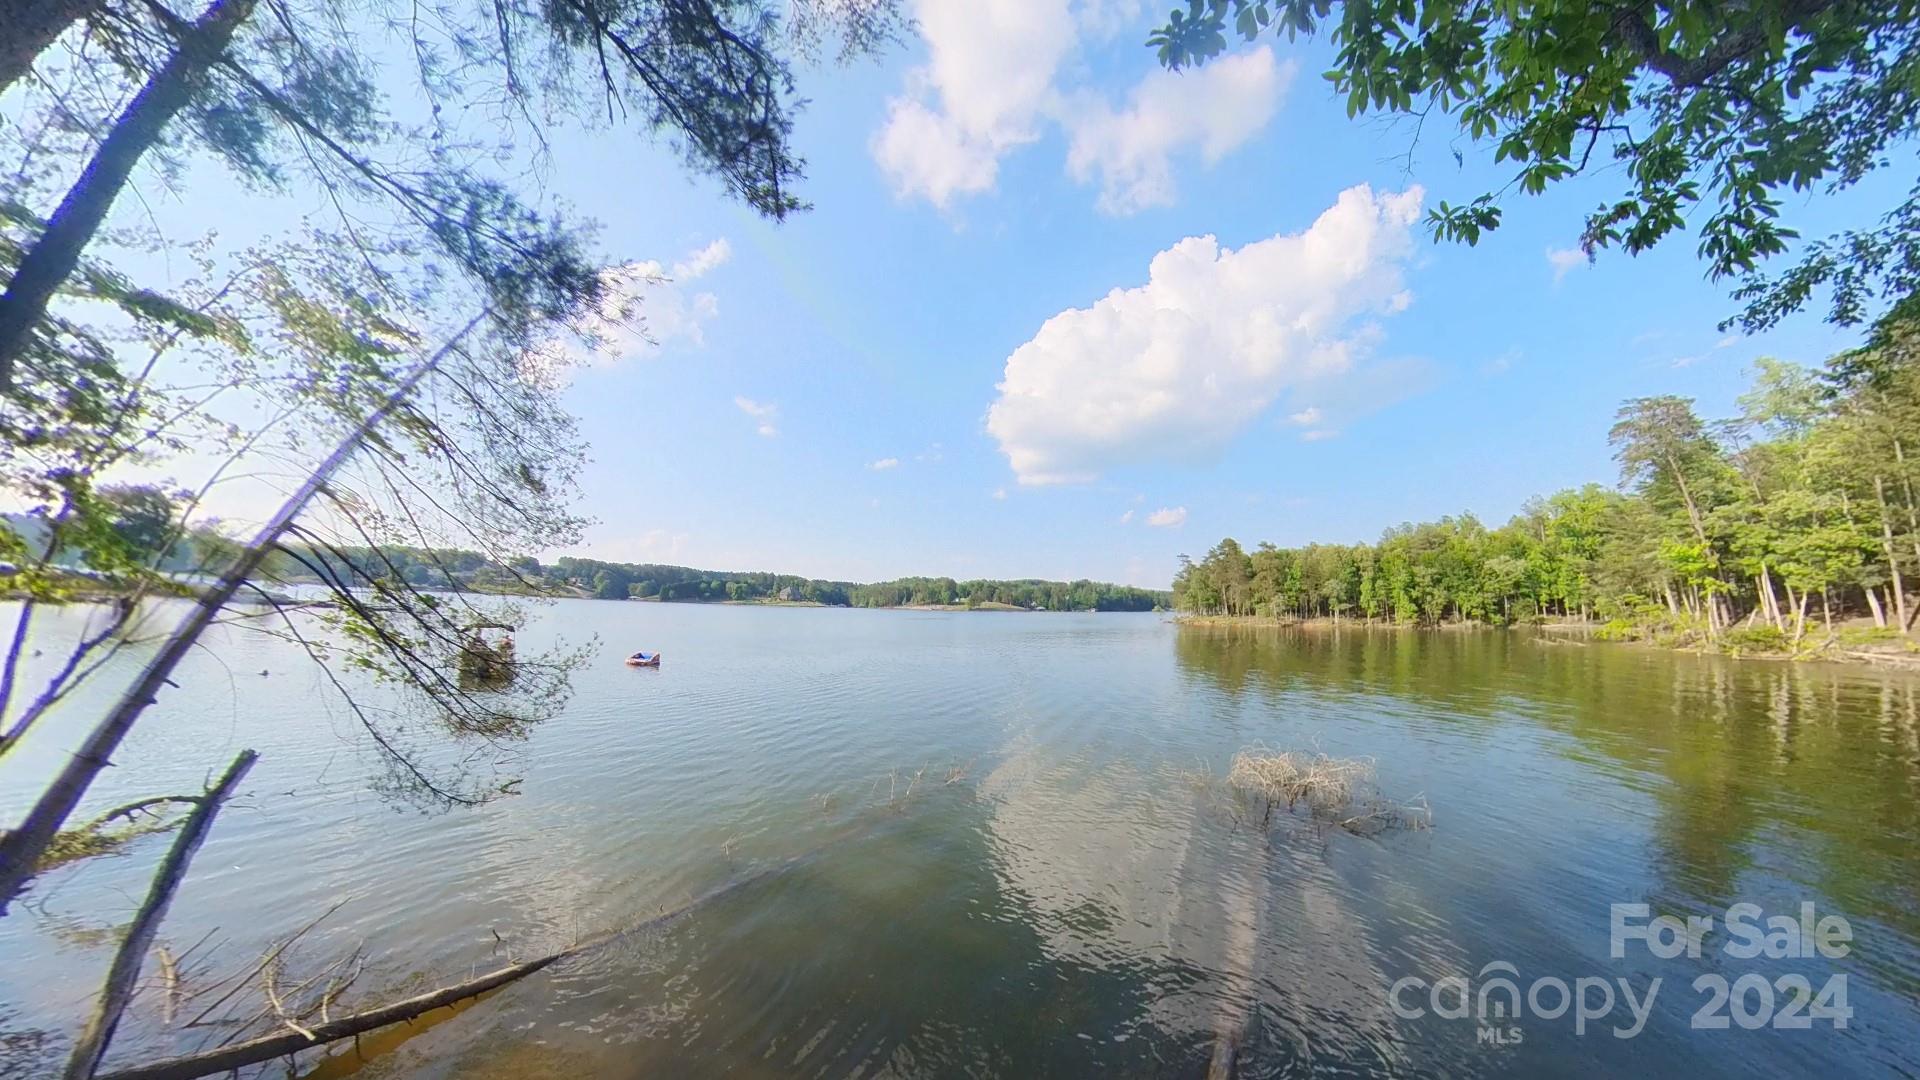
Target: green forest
[[1796, 514]]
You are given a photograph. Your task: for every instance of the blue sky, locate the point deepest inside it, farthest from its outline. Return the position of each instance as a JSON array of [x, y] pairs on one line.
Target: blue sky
[[825, 396]]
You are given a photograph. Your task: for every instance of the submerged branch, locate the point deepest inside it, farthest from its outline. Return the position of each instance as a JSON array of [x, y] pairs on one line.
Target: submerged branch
[[125, 970]]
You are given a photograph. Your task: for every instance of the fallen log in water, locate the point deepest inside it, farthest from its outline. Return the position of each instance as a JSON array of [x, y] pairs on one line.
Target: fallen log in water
[[1246, 922], [281, 1044], [125, 971], [285, 1043]]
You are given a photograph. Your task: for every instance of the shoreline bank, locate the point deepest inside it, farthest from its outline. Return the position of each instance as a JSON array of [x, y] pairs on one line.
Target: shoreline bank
[[1899, 652]]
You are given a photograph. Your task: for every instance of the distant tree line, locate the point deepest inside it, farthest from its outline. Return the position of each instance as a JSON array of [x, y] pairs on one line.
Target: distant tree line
[[141, 518], [1027, 593], [1801, 507], [656, 581]]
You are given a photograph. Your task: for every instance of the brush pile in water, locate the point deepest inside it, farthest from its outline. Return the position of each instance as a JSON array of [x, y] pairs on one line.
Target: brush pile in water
[[1338, 791]]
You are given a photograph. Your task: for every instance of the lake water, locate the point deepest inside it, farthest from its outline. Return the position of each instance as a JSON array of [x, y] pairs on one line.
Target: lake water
[[995, 844]]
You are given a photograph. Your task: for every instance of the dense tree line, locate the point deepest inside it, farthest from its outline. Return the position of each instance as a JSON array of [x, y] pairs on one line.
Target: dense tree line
[[1802, 509], [655, 581], [1026, 593], [141, 520]]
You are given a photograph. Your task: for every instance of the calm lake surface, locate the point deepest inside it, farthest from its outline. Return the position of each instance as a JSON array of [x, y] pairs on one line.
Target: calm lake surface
[[987, 845]]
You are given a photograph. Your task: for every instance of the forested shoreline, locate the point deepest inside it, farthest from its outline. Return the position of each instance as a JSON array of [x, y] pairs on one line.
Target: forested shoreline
[[1770, 529], [141, 521], [663, 582], [139, 518]]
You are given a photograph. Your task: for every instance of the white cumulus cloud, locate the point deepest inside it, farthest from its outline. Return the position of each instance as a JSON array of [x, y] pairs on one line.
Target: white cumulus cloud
[[999, 72], [1214, 109], [1168, 517], [1306, 417], [1175, 368], [763, 411], [884, 464], [989, 72]]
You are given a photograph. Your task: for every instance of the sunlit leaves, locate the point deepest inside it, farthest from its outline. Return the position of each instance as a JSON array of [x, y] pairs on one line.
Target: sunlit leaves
[[1464, 223]]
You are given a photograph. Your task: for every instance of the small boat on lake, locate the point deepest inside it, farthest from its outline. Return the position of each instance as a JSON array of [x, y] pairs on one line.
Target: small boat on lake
[[644, 659]]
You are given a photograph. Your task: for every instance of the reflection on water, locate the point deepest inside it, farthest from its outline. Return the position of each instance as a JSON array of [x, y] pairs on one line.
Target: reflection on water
[[976, 844]]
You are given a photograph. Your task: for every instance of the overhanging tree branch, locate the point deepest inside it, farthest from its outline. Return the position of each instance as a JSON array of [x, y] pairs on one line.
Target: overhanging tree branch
[[56, 251], [21, 849]]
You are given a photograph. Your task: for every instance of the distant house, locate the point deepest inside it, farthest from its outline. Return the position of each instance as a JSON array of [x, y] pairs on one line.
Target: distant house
[[790, 593]]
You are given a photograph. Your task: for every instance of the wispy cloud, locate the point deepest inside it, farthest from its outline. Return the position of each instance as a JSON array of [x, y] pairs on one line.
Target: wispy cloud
[[1691, 359], [698, 263], [1565, 261], [1306, 417], [1126, 518], [884, 464], [1130, 150], [653, 545], [1168, 517], [763, 411], [646, 308], [1317, 435]]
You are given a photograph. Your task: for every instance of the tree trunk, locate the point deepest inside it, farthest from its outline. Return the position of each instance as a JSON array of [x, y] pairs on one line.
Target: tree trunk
[[1800, 622], [1700, 533], [1686, 494], [1913, 513], [125, 971], [1769, 600], [1826, 609], [1873, 604], [32, 25], [56, 251], [22, 848], [1893, 558]]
